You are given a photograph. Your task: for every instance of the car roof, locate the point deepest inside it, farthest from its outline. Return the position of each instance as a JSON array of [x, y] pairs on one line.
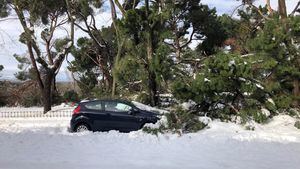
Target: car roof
[[108, 100]]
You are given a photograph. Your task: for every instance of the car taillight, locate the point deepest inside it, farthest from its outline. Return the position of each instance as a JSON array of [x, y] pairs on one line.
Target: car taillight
[[76, 110]]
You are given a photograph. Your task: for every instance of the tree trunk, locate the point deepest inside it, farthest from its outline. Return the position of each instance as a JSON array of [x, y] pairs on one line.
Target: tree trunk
[[282, 8], [177, 48], [114, 73], [120, 42], [47, 90], [269, 7], [152, 86], [107, 77], [151, 74], [54, 86], [114, 85], [296, 92], [108, 80]]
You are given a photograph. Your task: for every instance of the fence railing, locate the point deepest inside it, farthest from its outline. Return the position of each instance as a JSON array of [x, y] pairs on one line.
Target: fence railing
[[35, 114]]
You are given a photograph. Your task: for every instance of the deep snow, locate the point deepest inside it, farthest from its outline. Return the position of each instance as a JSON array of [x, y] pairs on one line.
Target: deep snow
[[45, 143]]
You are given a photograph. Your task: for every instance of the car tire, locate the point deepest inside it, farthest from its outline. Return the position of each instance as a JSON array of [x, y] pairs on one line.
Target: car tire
[[82, 127]]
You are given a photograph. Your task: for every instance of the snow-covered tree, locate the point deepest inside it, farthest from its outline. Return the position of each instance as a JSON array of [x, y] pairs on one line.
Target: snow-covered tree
[[278, 46], [51, 14], [225, 86]]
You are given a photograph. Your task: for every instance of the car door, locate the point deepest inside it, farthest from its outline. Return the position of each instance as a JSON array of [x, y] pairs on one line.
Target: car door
[[121, 118], [99, 117]]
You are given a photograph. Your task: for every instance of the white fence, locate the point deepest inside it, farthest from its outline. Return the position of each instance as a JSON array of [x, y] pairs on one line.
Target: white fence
[[35, 114]]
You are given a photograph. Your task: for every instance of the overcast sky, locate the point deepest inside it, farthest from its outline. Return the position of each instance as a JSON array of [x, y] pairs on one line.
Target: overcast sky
[[11, 29]]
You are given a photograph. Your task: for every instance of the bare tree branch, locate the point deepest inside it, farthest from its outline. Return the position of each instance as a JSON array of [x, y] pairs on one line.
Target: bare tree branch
[[295, 9], [190, 40]]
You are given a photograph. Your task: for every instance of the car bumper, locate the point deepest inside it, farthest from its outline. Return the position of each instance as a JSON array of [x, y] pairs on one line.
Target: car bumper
[[71, 128]]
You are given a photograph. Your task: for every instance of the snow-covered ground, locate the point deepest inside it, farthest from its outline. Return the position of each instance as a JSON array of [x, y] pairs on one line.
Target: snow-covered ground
[[35, 143]]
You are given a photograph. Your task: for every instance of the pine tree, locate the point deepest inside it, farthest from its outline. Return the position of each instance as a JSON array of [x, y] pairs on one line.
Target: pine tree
[[92, 65], [225, 86], [92, 60], [279, 49], [144, 28]]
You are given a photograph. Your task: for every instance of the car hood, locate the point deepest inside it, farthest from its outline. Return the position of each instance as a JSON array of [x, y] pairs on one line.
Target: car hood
[[149, 113]]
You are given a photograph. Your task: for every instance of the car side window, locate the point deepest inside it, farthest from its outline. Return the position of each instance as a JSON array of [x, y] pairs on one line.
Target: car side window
[[94, 105], [117, 107]]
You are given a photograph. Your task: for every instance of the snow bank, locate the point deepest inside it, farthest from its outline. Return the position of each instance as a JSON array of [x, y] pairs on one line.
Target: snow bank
[[280, 129], [62, 107], [45, 143]]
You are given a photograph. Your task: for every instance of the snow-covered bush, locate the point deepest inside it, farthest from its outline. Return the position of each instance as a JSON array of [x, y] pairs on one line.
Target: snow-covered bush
[[178, 121], [294, 113], [226, 86], [297, 124], [277, 46]]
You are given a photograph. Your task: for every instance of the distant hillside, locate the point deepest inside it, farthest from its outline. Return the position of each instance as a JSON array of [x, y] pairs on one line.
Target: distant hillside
[[8, 74]]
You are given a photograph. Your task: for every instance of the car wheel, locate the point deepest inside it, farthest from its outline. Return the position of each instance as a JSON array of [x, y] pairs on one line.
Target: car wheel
[[82, 127]]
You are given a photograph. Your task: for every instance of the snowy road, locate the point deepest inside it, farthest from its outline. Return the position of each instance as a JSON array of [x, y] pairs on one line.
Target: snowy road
[[47, 145]]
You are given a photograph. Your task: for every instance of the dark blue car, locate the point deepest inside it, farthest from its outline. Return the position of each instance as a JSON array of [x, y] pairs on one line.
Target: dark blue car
[[105, 115]]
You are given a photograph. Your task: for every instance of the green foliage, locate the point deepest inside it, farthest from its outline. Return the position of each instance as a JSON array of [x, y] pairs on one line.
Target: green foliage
[[100, 93], [33, 100], [154, 131], [85, 8], [39, 10], [229, 25], [186, 14], [178, 121], [4, 8], [225, 86], [86, 82], [294, 113], [143, 30], [208, 28], [279, 48], [259, 117], [92, 64], [183, 121], [143, 98], [71, 96], [60, 44], [26, 72], [283, 101], [129, 70], [249, 127], [163, 65], [297, 124]]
